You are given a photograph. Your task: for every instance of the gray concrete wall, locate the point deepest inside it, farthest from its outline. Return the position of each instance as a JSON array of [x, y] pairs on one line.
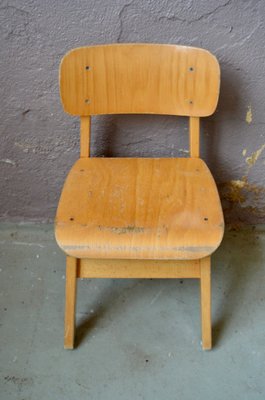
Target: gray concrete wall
[[39, 142]]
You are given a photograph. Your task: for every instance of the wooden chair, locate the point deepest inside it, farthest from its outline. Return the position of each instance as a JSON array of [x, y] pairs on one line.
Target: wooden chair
[[139, 217]]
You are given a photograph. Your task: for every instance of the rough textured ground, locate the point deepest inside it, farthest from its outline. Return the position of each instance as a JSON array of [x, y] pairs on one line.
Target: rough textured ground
[[137, 339], [39, 143]]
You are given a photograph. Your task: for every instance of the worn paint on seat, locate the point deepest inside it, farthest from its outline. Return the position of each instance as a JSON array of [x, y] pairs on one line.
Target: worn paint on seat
[[139, 208]]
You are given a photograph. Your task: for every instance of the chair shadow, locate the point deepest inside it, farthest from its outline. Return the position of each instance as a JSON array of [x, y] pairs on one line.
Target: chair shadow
[[107, 302], [138, 135], [239, 249], [228, 109], [86, 326], [120, 296]]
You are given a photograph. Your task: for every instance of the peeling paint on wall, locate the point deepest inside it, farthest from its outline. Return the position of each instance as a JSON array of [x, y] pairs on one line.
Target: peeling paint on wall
[[249, 115], [7, 161], [243, 196], [254, 156]]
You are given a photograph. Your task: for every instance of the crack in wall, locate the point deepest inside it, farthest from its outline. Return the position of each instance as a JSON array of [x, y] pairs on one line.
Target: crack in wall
[[121, 17], [239, 42], [201, 17], [14, 22]]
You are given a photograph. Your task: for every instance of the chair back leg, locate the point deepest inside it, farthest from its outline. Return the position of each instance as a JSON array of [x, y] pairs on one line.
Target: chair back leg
[[205, 267], [70, 302]]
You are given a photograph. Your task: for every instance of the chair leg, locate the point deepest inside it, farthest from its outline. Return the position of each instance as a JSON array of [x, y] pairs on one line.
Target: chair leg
[[70, 302], [205, 267]]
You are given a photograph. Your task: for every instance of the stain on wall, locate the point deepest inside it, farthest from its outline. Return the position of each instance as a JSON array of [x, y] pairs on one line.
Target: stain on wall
[[245, 199], [39, 143]]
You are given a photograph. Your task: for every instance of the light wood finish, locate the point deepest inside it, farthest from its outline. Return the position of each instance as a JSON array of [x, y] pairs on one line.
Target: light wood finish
[[139, 78], [139, 209], [205, 266], [116, 269], [194, 133], [139, 218], [70, 302], [85, 123]]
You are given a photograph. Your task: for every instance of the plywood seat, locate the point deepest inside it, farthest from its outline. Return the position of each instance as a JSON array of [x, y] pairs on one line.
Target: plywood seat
[[131, 208]]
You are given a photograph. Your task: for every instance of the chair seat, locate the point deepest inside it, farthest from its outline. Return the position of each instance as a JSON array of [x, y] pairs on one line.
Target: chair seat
[[139, 208]]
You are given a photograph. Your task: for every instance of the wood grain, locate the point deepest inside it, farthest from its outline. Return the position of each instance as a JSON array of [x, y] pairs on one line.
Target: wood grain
[[85, 124], [194, 134], [70, 302], [139, 209], [116, 269], [205, 267], [139, 78]]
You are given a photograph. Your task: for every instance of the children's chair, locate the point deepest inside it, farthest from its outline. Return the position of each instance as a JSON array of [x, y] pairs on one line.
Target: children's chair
[[139, 217]]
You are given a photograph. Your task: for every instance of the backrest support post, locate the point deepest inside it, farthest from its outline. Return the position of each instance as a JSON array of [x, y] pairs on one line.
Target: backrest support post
[[85, 123], [194, 134]]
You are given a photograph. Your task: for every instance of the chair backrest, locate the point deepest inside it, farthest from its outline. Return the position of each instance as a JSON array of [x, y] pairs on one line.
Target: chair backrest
[[139, 78]]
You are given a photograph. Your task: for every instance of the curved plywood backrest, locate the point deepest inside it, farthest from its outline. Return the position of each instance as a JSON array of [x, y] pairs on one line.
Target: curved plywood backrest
[[139, 79]]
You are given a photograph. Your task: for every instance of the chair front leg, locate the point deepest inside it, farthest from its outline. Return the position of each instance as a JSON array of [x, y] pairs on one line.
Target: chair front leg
[[205, 281], [70, 302]]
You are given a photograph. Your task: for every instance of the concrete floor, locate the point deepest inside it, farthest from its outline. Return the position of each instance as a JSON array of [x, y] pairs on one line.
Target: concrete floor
[[137, 339]]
